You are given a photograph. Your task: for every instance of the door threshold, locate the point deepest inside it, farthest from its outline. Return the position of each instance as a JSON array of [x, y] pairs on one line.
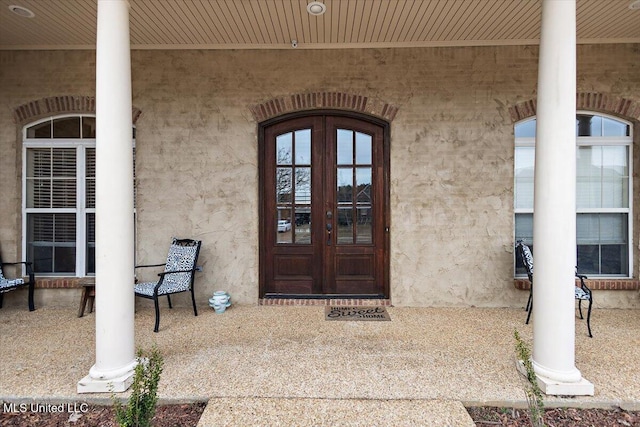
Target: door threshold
[[323, 300]]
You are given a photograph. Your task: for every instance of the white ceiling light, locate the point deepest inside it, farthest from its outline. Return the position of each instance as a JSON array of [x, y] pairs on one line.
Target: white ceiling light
[[22, 11], [316, 8], [635, 5]]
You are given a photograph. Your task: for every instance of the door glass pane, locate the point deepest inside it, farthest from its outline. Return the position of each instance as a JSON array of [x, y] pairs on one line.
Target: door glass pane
[[363, 185], [283, 185], [345, 226], [284, 227], [345, 186], [364, 226], [303, 147], [345, 147], [303, 186], [284, 149], [363, 149], [303, 225]]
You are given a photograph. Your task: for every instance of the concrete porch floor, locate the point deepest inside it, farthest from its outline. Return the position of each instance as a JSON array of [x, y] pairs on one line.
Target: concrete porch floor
[[286, 365]]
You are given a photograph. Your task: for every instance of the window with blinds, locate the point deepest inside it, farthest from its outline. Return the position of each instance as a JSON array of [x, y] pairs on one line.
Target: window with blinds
[[603, 192], [60, 195]]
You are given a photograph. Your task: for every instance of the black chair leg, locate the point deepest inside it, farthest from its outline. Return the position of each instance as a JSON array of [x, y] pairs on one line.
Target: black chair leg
[[155, 301], [580, 308], [589, 317], [31, 289], [1, 299], [193, 300], [169, 299], [529, 306]]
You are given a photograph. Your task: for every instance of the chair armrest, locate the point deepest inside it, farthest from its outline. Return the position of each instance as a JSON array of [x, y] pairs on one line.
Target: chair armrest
[[583, 285], [27, 264], [149, 265], [164, 273]]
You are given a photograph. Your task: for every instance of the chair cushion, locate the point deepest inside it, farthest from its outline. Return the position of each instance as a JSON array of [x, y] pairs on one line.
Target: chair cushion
[[168, 287], [179, 258], [527, 258], [582, 294], [145, 288], [5, 283]]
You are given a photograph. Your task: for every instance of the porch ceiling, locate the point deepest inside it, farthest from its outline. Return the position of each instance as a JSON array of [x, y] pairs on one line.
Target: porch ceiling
[[259, 24]]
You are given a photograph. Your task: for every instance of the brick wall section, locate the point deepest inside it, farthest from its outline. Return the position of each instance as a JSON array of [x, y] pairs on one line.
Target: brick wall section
[[63, 282], [594, 284], [63, 104], [321, 100], [584, 101]]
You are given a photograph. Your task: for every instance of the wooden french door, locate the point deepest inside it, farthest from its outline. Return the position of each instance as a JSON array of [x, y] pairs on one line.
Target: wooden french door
[[324, 207]]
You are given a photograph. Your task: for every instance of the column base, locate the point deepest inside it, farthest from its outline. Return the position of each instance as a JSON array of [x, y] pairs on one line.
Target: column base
[[115, 385], [558, 388]]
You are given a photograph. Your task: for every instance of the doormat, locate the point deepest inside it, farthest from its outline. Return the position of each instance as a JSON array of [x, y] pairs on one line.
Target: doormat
[[356, 313]]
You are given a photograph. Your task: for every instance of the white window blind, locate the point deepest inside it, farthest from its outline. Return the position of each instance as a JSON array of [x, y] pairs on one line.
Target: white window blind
[[51, 178]]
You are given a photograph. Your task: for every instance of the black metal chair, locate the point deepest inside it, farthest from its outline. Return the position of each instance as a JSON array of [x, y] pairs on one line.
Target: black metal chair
[[582, 291], [7, 284], [178, 275]]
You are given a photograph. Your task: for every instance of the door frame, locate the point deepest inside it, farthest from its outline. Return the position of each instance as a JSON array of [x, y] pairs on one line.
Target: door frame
[[386, 211]]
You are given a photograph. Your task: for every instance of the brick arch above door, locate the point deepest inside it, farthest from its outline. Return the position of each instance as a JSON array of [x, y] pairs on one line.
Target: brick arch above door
[[592, 101], [64, 104], [323, 100]]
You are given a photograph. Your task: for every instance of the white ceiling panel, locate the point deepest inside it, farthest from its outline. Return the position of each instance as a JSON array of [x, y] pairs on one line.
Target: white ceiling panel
[[260, 24]]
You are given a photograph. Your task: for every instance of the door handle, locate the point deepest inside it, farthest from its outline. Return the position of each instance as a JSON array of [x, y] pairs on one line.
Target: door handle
[[329, 228]]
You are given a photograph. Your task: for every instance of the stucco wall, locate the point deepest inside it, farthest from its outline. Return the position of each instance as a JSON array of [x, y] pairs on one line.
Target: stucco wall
[[197, 171]]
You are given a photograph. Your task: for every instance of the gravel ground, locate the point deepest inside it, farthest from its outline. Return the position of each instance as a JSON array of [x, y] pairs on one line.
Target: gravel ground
[[285, 353]]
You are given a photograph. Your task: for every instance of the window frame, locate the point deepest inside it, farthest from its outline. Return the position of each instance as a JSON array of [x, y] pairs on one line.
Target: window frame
[[81, 210], [589, 141]]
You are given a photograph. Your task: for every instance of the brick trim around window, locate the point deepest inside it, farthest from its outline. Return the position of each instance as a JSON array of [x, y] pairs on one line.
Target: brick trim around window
[[594, 284], [64, 104], [592, 101], [63, 282], [323, 100]]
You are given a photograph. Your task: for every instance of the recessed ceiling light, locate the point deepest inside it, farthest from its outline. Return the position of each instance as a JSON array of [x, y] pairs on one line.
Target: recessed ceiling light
[[635, 5], [316, 8], [21, 11]]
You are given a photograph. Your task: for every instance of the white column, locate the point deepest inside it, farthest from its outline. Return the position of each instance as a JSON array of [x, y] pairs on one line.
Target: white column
[[554, 222], [115, 352]]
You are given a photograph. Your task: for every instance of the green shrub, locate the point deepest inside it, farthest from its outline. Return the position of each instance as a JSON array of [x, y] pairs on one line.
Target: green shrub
[[532, 389], [144, 391]]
